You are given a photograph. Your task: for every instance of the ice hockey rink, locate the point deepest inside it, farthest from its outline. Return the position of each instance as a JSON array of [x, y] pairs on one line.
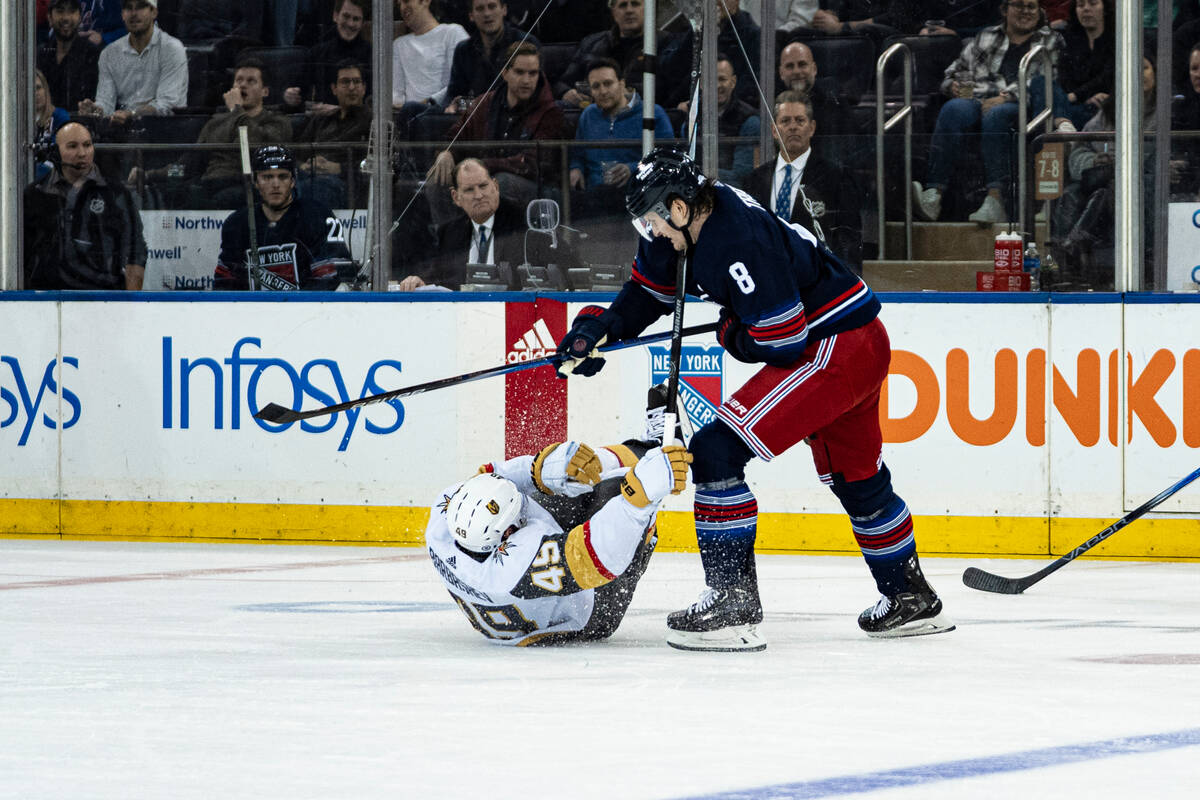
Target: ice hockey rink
[[240, 671]]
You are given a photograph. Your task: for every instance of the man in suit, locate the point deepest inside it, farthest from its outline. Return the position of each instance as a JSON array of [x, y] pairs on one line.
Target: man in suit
[[802, 187], [491, 232]]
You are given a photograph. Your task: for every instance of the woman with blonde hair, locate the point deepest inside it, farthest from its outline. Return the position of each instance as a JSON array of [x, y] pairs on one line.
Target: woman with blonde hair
[[47, 120]]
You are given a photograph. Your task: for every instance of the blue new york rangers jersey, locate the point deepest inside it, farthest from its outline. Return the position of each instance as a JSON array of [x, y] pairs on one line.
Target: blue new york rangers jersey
[[776, 277]]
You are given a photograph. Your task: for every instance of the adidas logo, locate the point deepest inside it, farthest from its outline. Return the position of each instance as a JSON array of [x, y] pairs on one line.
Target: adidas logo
[[536, 343], [451, 560]]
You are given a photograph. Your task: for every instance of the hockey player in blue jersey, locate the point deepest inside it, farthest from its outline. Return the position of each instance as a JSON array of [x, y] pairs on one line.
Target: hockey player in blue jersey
[[788, 304]]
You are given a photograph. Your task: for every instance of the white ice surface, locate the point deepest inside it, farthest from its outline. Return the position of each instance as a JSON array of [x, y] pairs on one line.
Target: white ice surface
[[203, 671]]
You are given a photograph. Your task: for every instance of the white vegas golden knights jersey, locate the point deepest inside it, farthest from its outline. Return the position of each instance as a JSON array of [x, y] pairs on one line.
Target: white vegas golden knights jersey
[[543, 579]]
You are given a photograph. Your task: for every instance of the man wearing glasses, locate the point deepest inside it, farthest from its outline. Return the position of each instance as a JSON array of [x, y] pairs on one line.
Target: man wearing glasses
[[982, 86]]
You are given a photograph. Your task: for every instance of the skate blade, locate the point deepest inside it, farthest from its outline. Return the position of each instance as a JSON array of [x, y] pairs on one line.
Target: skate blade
[[919, 627], [737, 638]]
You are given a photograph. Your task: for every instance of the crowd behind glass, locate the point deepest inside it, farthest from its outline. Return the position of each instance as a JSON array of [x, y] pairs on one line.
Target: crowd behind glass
[[139, 104]]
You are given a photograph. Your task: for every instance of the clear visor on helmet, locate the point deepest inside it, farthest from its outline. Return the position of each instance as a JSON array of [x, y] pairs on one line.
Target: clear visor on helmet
[[642, 224]]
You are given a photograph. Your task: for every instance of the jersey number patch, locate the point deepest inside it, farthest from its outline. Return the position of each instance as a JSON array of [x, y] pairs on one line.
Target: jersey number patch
[[741, 276], [550, 578], [337, 231]]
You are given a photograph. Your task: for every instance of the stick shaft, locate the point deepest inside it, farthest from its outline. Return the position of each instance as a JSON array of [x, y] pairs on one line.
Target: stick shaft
[[278, 414], [248, 184], [985, 581]]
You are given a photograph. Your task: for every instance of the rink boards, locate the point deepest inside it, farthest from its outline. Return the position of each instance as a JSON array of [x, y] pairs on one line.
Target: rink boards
[[1016, 426]]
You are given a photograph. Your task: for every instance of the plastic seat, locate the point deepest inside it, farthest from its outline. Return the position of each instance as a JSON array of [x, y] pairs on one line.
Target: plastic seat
[[556, 57], [931, 56]]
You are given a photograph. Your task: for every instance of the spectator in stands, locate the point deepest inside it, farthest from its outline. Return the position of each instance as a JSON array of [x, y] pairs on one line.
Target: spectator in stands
[[612, 115], [221, 181], [734, 118], [801, 186], [478, 61], [520, 110], [328, 169], [881, 18], [82, 230], [982, 86], [345, 44], [622, 43], [491, 232], [70, 62], [737, 31], [422, 57], [47, 119], [1087, 65], [793, 14], [1185, 155], [144, 72], [103, 21], [798, 72], [1086, 209]]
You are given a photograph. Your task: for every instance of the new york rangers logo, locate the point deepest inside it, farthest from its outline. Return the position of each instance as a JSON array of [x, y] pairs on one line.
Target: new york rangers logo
[[701, 378]]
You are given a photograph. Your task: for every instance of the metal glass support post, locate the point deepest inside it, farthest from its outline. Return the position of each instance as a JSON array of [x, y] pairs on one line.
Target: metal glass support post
[[884, 124], [1127, 189], [649, 76], [382, 17], [1026, 126], [16, 62], [708, 90], [766, 68]]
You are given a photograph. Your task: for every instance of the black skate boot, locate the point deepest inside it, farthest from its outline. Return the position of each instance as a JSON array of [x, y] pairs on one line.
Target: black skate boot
[[656, 407], [721, 620], [916, 612]]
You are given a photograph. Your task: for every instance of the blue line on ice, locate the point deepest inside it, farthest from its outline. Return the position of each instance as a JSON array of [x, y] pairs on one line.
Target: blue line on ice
[[965, 768]]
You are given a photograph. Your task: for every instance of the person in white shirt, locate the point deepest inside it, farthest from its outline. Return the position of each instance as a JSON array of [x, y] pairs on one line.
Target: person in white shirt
[[421, 58], [548, 549], [142, 73]]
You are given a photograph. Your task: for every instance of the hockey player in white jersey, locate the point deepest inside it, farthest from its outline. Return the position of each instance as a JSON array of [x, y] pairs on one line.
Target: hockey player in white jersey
[[548, 548]]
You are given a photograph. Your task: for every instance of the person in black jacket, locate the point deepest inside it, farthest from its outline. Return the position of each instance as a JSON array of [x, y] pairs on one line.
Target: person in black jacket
[[736, 31], [345, 44], [479, 60], [491, 230], [819, 193], [82, 230], [1087, 65], [69, 61]]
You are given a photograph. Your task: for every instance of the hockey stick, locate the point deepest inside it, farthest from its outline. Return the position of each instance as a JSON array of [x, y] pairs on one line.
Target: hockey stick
[[987, 582], [248, 184], [276, 413], [692, 11]]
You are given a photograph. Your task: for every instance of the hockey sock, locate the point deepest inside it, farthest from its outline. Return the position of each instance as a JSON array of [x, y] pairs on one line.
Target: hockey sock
[[887, 542], [726, 524]]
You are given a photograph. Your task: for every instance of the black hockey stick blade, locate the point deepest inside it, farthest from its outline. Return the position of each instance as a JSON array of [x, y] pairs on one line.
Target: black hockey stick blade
[[984, 581], [277, 414]]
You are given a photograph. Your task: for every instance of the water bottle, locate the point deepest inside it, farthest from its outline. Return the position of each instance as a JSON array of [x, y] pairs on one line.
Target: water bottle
[[1032, 264], [1049, 274]]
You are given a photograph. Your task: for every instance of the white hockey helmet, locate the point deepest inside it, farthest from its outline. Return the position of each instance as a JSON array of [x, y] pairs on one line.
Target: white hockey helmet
[[480, 513]]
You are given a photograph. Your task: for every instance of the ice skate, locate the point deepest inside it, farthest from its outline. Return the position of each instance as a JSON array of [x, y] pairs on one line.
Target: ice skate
[[656, 408], [722, 620], [917, 612]]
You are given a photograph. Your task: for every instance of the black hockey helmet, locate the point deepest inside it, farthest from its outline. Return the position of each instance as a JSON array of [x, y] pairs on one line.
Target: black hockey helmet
[[663, 173], [273, 156]]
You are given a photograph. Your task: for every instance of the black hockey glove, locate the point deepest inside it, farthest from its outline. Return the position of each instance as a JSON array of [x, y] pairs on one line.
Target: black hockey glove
[[731, 332], [589, 330]]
